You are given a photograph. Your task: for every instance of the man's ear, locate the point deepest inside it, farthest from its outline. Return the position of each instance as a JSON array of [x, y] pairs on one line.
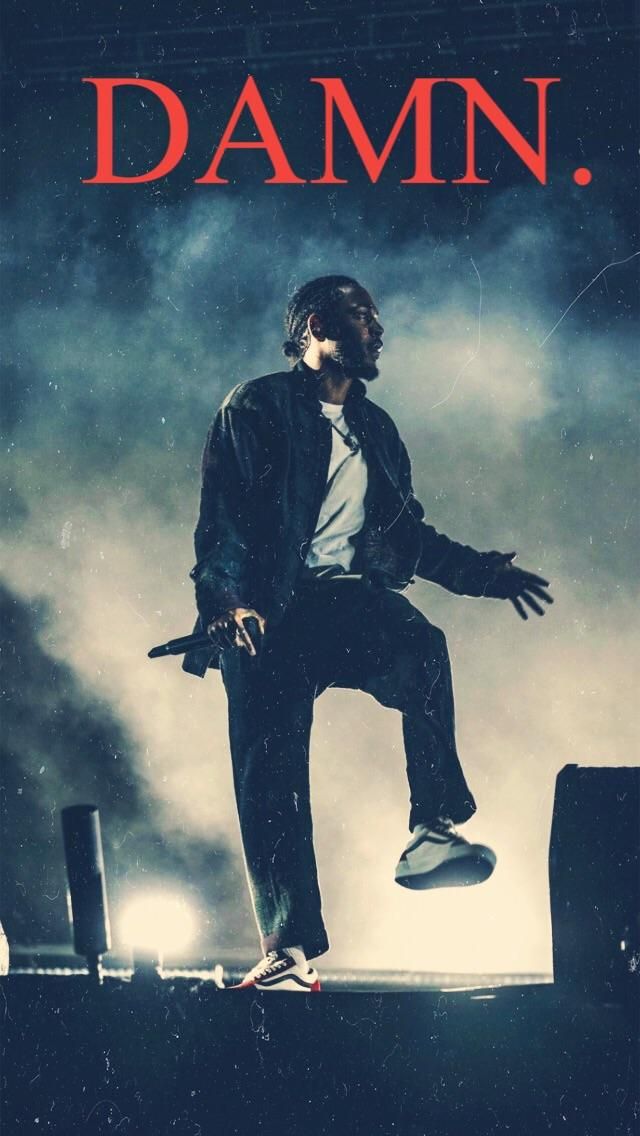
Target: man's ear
[[315, 327]]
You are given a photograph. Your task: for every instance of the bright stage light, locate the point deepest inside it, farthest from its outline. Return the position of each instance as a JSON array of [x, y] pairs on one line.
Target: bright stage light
[[158, 921]]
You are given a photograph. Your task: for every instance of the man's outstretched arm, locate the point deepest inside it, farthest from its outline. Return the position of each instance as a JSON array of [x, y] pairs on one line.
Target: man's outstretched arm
[[467, 572]]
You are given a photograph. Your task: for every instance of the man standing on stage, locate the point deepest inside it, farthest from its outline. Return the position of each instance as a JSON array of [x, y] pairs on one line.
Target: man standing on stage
[[309, 527]]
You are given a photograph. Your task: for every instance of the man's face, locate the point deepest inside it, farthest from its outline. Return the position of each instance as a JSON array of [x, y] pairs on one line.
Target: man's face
[[354, 335]]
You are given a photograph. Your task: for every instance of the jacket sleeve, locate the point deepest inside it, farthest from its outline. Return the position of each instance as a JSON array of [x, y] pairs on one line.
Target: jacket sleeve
[[456, 567], [225, 532]]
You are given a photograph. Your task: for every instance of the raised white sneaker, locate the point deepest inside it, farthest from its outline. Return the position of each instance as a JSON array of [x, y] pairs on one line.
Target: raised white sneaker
[[437, 856], [279, 970]]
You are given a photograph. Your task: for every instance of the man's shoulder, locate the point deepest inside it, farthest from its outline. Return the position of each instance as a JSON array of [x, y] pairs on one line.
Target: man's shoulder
[[258, 393], [381, 416]]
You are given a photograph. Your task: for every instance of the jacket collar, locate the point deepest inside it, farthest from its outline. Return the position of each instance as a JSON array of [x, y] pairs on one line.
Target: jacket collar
[[308, 382]]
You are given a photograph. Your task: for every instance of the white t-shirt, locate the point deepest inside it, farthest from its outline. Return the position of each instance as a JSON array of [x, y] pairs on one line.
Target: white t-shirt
[[342, 511]]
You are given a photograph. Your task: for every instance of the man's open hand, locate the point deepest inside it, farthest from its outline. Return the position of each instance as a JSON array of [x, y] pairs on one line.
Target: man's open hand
[[507, 582], [229, 630]]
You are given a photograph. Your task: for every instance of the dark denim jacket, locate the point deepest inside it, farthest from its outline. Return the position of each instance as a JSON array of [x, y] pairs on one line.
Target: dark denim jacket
[[264, 471]]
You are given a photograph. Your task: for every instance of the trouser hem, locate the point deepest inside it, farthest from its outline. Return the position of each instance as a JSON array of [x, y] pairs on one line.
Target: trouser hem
[[458, 814], [312, 945]]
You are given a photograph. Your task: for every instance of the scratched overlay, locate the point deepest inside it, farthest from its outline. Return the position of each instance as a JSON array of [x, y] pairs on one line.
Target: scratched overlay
[[510, 310]]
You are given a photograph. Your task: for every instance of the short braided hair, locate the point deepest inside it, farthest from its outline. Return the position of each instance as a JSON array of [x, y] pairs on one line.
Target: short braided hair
[[320, 296]]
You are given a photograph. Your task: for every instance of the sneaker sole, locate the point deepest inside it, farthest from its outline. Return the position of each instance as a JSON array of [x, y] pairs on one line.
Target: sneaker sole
[[287, 985], [463, 872]]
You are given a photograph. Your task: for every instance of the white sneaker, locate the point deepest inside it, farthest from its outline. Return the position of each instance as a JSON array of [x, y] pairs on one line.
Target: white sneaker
[[437, 856], [279, 970]]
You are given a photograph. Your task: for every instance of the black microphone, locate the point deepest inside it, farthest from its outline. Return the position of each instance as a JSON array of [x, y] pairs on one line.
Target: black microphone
[[194, 642], [181, 646]]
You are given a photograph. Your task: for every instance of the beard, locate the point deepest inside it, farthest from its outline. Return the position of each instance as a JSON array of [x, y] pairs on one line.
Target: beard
[[352, 358]]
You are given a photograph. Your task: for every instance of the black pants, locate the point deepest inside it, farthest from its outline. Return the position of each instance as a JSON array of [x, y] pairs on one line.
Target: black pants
[[342, 633]]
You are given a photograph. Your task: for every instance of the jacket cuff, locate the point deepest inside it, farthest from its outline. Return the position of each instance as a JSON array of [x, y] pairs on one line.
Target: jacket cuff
[[215, 596], [479, 574], [211, 605], [464, 571]]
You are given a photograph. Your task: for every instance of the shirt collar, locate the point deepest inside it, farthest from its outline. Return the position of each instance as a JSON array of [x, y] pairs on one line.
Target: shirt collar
[[308, 381]]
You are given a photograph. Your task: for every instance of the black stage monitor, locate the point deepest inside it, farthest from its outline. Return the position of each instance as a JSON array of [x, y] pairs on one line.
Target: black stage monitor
[[594, 878]]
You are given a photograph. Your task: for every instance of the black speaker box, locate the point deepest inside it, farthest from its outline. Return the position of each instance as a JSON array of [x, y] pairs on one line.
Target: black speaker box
[[594, 880]]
